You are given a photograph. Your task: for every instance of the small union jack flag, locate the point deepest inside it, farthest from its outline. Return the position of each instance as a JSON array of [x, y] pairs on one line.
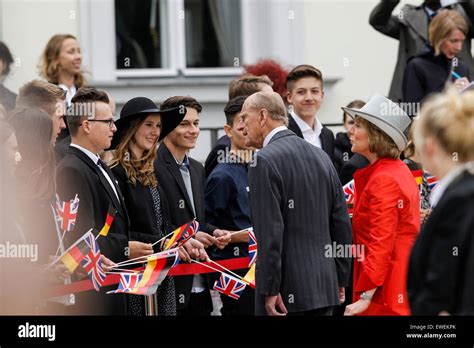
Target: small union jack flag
[[229, 286], [431, 179], [66, 213], [190, 231], [128, 282], [92, 263], [349, 191], [252, 247]]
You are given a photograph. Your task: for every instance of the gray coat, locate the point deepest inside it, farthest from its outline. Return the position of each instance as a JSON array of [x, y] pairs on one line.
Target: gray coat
[[298, 211], [410, 27]]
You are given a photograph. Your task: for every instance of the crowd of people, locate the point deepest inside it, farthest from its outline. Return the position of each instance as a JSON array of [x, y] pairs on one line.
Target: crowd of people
[[394, 191]]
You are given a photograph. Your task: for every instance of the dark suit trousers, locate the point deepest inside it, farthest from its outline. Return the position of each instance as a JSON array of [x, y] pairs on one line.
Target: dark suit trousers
[[198, 305], [325, 311]]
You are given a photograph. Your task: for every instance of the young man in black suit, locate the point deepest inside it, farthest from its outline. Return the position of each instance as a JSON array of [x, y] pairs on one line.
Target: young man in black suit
[[305, 95], [182, 180], [82, 172]]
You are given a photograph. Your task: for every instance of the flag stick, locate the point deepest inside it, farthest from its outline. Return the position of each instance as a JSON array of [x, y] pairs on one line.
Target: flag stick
[[169, 234], [202, 263], [137, 259], [243, 230], [60, 242], [122, 270], [134, 260], [228, 270]]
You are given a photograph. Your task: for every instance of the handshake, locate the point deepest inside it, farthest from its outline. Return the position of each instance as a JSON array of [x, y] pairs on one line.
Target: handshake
[[196, 247], [193, 248]]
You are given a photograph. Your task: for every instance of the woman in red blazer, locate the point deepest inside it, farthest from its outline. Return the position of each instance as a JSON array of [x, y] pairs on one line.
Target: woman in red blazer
[[386, 216]]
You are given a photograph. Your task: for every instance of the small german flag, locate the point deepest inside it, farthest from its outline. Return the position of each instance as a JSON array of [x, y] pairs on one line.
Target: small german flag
[[418, 175], [108, 221], [250, 277], [76, 253]]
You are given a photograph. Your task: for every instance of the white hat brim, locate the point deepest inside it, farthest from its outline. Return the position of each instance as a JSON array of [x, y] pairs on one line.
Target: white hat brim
[[393, 132]]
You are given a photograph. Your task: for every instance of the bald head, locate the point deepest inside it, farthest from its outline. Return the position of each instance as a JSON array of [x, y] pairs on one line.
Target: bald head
[[261, 113], [270, 101]]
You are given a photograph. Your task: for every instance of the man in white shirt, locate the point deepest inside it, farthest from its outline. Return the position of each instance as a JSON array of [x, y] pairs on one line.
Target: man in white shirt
[[305, 95], [81, 172]]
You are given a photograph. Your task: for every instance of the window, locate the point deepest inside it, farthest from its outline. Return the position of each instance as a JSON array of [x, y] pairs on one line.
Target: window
[[166, 36]]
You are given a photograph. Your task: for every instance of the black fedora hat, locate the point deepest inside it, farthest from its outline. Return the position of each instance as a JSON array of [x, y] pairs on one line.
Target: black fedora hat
[[141, 107]]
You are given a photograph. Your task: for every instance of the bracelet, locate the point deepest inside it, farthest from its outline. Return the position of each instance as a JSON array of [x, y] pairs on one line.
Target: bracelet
[[366, 297]]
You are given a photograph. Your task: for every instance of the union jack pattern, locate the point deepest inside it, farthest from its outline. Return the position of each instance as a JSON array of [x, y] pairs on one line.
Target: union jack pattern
[[252, 247], [66, 213], [229, 286], [93, 265]]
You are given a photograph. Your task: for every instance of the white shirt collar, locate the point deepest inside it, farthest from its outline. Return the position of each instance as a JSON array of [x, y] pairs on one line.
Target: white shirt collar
[[92, 156], [272, 133], [444, 183], [70, 92], [317, 127]]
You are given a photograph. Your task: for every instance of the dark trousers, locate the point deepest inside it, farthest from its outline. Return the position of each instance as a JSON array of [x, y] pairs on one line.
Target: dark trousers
[[325, 311], [198, 305], [245, 305]]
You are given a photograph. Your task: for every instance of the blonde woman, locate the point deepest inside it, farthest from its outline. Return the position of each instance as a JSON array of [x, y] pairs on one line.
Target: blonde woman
[[440, 278], [61, 64], [429, 71]]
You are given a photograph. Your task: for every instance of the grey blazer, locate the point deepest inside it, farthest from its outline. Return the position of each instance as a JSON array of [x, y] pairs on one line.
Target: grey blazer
[[298, 212]]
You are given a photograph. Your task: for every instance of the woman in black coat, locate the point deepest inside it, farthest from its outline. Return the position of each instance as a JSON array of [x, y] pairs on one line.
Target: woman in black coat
[[441, 270], [140, 127], [437, 65], [342, 144]]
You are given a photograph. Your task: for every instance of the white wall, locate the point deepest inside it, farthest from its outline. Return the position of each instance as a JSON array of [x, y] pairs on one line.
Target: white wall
[[27, 25], [341, 42]]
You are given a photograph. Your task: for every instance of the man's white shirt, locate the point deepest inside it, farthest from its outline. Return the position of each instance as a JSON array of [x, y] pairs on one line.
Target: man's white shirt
[[311, 135]]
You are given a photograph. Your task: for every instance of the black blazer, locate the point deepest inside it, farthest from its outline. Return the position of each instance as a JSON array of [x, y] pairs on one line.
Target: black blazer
[[348, 169], [212, 160], [169, 178], [139, 203], [327, 137], [61, 148], [441, 270], [77, 173]]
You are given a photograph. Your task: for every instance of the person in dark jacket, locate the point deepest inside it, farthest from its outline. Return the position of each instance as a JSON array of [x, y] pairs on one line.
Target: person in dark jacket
[[441, 268], [140, 127], [410, 27], [437, 65], [342, 144]]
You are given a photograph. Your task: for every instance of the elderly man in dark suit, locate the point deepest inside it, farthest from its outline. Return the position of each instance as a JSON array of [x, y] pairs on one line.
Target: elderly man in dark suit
[[299, 216], [82, 172]]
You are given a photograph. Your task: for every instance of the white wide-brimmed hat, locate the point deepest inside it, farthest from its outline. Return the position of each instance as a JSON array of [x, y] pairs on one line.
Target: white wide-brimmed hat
[[386, 115]]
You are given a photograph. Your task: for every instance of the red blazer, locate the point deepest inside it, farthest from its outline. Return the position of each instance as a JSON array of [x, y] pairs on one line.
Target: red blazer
[[385, 224]]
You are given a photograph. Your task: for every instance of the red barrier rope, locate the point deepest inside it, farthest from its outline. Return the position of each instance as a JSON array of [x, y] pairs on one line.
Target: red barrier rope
[[178, 270]]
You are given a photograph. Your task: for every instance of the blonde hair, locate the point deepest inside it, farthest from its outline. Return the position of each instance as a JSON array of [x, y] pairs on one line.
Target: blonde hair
[[448, 118], [442, 25], [379, 142], [137, 169], [49, 66]]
